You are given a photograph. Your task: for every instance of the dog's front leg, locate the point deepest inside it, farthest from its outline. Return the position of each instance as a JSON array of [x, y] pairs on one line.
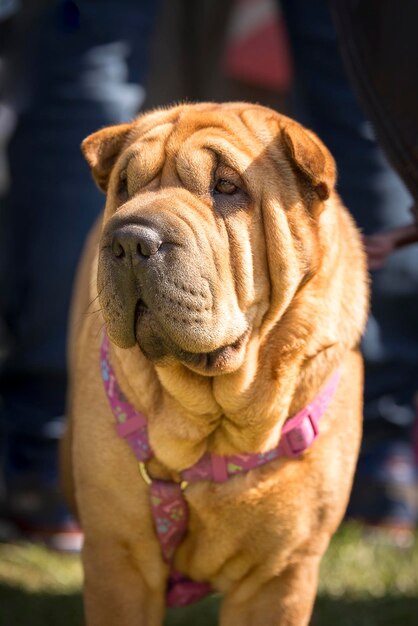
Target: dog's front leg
[[285, 600], [116, 591]]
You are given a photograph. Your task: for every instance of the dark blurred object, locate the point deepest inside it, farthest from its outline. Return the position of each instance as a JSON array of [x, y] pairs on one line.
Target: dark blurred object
[[381, 245], [190, 57], [258, 51], [379, 45], [385, 493], [8, 8]]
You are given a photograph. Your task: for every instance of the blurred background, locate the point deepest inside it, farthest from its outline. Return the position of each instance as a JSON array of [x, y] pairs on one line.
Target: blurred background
[[347, 69]]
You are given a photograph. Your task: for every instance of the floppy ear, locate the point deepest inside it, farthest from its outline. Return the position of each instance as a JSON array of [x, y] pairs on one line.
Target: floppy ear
[[101, 150], [311, 158]]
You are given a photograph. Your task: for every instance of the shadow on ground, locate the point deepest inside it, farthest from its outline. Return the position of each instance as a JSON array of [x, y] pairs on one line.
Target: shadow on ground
[[22, 608], [387, 611], [19, 607]]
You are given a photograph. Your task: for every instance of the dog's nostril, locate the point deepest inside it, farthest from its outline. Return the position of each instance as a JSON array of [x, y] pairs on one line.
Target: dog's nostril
[[148, 244], [135, 241], [117, 249]]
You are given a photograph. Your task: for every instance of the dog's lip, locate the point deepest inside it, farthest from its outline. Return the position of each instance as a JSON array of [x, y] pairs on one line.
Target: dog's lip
[[219, 361]]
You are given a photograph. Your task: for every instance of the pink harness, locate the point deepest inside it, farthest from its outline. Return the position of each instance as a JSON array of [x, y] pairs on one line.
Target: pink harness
[[168, 505]]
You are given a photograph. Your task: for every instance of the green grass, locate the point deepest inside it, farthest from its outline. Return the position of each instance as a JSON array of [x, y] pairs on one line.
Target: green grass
[[363, 583]]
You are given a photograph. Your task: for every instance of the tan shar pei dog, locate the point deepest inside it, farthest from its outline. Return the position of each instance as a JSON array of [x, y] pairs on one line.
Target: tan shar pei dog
[[216, 395]]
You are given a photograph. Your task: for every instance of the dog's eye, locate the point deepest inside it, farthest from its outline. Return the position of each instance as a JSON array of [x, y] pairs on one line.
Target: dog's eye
[[123, 186], [225, 186]]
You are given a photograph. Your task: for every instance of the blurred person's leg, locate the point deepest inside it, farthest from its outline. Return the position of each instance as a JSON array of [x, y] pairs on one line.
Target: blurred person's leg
[[84, 66], [384, 488]]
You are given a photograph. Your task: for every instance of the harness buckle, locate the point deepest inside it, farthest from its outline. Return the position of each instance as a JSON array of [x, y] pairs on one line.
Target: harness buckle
[[144, 473], [148, 480], [301, 437]]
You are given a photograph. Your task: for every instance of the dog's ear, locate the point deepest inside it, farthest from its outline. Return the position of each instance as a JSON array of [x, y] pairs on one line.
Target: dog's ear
[[101, 150], [311, 158]]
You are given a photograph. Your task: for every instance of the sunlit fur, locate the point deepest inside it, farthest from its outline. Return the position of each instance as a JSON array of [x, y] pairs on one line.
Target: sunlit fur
[[281, 262]]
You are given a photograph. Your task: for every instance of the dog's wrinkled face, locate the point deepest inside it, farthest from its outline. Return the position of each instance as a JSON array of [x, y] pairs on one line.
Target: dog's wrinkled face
[[196, 197]]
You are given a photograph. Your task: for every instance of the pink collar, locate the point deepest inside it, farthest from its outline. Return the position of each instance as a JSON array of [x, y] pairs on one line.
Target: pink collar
[[168, 504]]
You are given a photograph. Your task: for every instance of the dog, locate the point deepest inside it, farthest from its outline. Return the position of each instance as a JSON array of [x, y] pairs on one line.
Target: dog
[[219, 376]]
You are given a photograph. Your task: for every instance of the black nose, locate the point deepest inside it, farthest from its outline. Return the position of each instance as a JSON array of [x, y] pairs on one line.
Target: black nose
[[135, 241]]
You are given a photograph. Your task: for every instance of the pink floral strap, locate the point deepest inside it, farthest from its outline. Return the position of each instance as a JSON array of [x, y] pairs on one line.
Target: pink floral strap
[[298, 434], [170, 513], [130, 424], [168, 504]]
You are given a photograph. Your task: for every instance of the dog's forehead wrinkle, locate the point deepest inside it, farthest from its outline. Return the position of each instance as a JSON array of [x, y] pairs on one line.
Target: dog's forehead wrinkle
[[144, 140], [144, 163], [161, 131], [177, 139], [229, 127], [261, 131], [195, 170], [156, 117]]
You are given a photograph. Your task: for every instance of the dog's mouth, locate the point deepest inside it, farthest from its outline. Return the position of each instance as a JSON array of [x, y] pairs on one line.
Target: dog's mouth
[[223, 360], [141, 309]]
